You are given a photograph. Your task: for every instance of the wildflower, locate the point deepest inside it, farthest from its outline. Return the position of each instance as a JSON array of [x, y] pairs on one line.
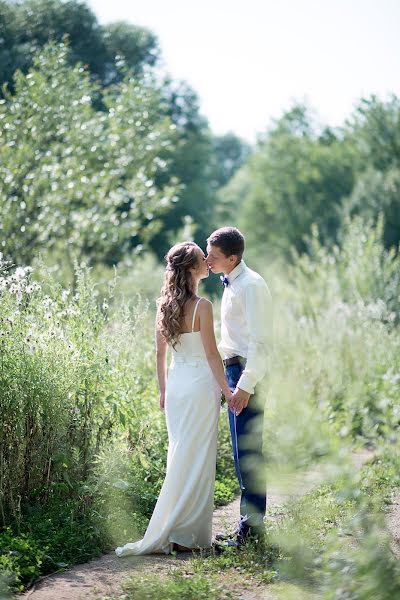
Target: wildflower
[[47, 301], [14, 288], [19, 273]]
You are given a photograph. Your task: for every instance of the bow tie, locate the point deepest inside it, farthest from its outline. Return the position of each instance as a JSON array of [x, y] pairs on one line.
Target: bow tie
[[224, 281]]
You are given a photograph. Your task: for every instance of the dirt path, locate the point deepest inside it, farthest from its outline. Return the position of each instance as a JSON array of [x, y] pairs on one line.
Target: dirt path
[[104, 576]]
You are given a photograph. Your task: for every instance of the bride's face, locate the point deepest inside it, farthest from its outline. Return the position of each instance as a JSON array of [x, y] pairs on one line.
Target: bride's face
[[201, 269]]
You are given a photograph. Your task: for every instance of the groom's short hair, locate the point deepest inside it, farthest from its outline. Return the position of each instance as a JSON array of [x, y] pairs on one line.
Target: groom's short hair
[[229, 240]]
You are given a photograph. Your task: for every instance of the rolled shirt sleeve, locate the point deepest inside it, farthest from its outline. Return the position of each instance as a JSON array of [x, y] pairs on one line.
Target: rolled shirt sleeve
[[259, 318]]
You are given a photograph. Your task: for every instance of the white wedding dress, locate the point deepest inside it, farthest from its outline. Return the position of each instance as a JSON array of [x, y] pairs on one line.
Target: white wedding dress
[[183, 513]]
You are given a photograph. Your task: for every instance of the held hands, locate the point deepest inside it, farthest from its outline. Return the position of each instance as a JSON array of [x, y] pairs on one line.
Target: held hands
[[226, 396], [239, 401]]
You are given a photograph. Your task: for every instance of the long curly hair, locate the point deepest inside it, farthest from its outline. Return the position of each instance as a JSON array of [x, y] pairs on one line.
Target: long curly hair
[[176, 291]]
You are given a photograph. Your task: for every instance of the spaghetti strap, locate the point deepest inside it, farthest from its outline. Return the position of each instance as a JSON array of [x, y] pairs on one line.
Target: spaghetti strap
[[194, 314]]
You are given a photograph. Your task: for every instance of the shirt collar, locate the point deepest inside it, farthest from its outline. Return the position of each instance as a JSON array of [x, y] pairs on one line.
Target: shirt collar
[[236, 271]]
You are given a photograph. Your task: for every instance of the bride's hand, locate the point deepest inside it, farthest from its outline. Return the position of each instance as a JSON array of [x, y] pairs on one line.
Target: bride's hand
[[228, 398], [162, 400]]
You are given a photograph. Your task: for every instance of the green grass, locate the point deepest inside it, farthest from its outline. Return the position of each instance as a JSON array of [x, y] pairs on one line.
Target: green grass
[[342, 519], [175, 586]]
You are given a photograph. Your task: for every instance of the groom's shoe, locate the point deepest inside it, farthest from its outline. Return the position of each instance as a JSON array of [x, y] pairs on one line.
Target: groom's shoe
[[235, 540], [223, 537], [223, 545], [238, 538]]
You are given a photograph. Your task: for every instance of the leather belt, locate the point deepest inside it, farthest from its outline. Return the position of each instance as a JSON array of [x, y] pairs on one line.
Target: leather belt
[[235, 360]]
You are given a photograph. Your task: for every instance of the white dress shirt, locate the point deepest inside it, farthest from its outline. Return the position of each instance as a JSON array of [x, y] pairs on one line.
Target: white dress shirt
[[246, 324]]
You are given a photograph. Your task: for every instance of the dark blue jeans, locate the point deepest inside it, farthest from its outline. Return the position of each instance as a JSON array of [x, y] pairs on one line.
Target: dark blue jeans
[[247, 439]]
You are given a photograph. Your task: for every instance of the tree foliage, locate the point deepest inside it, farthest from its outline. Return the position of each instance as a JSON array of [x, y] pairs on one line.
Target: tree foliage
[[27, 26], [76, 178], [294, 179], [301, 176], [375, 131]]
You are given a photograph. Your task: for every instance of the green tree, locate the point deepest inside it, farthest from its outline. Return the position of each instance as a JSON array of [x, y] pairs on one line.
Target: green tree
[[295, 178], [75, 178], [374, 131], [27, 26], [231, 153], [137, 46], [192, 163]]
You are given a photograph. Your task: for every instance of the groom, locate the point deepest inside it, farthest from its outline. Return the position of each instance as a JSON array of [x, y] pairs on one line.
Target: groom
[[246, 344]]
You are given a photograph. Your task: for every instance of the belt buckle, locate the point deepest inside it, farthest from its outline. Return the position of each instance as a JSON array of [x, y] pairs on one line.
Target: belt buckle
[[235, 360]]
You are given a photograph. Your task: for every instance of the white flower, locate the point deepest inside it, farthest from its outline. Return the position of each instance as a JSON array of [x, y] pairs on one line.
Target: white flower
[[19, 273], [14, 288], [47, 301]]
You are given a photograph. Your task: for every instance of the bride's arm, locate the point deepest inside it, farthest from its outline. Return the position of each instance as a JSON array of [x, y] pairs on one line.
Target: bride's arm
[[210, 346], [161, 362]]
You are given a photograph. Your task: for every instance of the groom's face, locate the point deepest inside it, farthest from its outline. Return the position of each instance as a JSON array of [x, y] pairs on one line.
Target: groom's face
[[218, 262]]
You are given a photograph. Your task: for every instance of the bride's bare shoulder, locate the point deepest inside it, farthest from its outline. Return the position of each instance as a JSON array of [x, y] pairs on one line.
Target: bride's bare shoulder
[[205, 304]]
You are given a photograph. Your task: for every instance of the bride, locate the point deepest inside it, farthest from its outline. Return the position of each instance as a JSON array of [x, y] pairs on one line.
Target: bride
[[182, 517]]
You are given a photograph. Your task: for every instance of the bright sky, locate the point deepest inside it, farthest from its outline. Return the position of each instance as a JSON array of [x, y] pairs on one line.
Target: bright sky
[[249, 60]]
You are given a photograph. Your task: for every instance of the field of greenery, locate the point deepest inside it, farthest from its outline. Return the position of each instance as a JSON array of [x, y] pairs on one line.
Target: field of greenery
[[83, 441], [105, 162]]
